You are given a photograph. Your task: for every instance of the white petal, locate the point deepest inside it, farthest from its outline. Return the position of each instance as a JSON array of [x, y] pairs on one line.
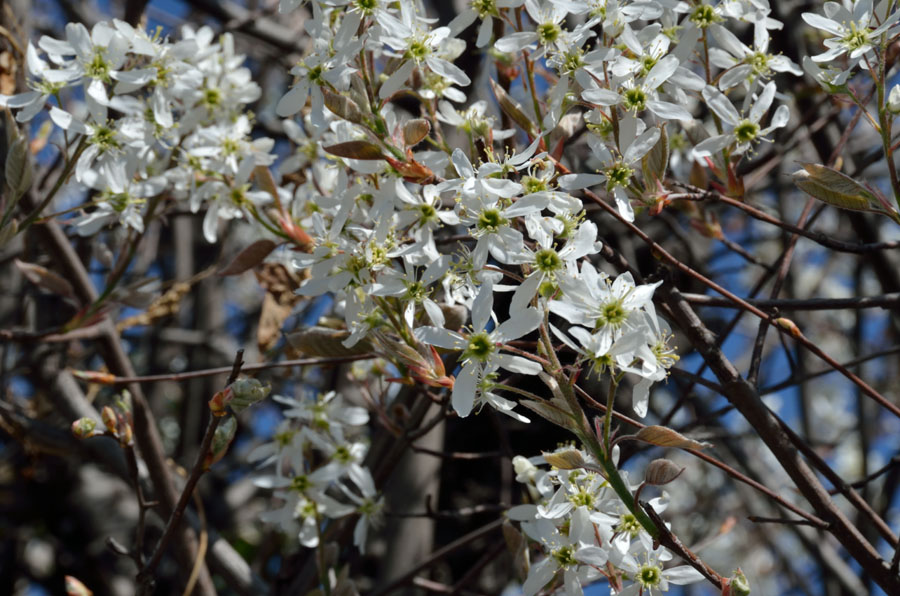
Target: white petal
[[463, 397]]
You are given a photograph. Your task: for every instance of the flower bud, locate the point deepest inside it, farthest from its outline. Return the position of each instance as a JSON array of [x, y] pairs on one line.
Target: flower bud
[[661, 471], [84, 428], [893, 103]]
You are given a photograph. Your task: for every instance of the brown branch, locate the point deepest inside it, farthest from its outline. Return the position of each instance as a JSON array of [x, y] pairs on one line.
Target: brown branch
[[891, 300], [745, 398]]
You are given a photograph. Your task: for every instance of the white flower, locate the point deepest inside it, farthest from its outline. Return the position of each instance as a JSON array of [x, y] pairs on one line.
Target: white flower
[[481, 348], [747, 65], [649, 578], [744, 132], [850, 26]]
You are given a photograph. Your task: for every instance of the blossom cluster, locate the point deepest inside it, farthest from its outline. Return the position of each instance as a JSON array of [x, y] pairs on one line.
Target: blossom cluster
[[406, 217], [588, 534], [317, 456], [160, 120]]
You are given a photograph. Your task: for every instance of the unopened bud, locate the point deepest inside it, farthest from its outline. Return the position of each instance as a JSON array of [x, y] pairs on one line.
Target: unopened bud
[[739, 585], [74, 587], [221, 440], [661, 471], [789, 326], [95, 376], [126, 436], [110, 420], [84, 427], [415, 130], [893, 104], [246, 392]]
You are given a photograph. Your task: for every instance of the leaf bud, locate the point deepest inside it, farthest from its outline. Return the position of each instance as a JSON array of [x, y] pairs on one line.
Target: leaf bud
[[738, 585], [246, 392], [110, 420], [221, 440], [84, 427]]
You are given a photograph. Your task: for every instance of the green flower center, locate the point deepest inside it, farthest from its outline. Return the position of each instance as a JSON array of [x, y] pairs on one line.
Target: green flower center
[[647, 62], [548, 33], [480, 347], [629, 525], [301, 483], [284, 439], [618, 175], [367, 7], [572, 61], [704, 15], [416, 291], [533, 185], [484, 8], [759, 62], [418, 50], [856, 38], [565, 556], [582, 497], [427, 212], [212, 98], [635, 99], [98, 67], [342, 454], [104, 137], [612, 313], [547, 260], [649, 576], [490, 221], [746, 131]]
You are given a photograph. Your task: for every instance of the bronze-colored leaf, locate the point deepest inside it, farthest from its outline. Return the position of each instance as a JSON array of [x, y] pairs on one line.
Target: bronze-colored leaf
[[325, 342], [415, 130], [513, 109], [271, 318], [356, 150], [249, 258], [666, 437], [46, 279], [518, 548], [343, 106]]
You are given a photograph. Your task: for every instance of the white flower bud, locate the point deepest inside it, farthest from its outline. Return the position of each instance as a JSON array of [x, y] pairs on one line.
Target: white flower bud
[[893, 104]]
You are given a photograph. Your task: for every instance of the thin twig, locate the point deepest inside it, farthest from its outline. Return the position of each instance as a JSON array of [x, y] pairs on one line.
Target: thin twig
[[194, 477]]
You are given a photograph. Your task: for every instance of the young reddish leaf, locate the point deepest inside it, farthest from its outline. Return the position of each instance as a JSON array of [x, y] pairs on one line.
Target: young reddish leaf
[[356, 150], [46, 279], [249, 258]]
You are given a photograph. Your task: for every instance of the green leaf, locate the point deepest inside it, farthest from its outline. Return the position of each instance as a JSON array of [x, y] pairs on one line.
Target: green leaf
[[835, 188]]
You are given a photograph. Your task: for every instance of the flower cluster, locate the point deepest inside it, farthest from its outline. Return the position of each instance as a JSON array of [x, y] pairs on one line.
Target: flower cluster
[[588, 534], [404, 218], [160, 120], [318, 474]]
